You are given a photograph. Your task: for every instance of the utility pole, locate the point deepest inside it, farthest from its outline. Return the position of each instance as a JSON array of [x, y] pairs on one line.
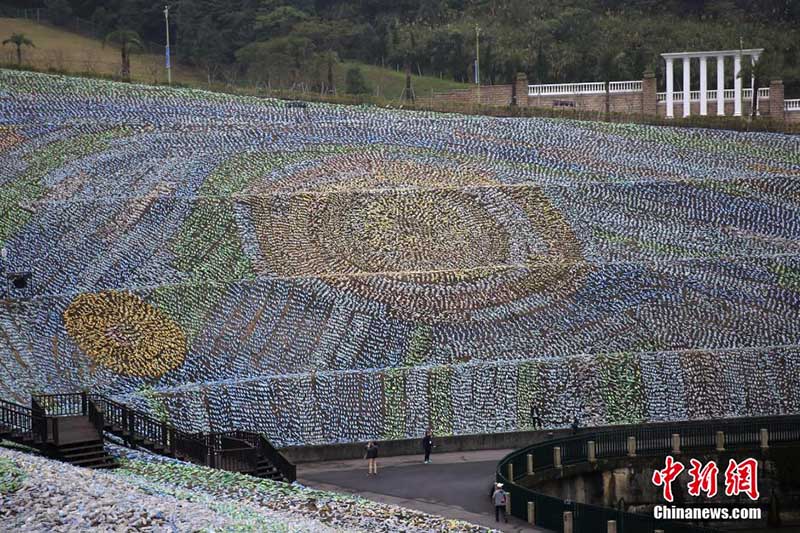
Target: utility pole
[[166, 22], [478, 61], [477, 55]]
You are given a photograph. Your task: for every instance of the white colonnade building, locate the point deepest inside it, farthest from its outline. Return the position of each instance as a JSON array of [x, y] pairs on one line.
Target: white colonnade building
[[704, 95]]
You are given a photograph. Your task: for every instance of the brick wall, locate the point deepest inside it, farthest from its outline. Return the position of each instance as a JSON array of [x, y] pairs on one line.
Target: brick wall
[[522, 89], [776, 100], [649, 94], [626, 103], [499, 95], [644, 102]]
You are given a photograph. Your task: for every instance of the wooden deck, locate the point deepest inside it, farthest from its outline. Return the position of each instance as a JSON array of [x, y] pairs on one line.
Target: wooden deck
[[75, 429]]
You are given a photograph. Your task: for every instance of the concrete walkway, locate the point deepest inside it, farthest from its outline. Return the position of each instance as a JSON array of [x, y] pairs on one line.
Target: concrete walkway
[[456, 485]]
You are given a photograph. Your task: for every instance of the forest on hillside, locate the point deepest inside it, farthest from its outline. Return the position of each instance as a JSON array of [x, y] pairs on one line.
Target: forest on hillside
[[285, 42]]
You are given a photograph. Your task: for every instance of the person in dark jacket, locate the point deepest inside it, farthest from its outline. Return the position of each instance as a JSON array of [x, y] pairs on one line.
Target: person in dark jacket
[[535, 420], [371, 456], [427, 445]]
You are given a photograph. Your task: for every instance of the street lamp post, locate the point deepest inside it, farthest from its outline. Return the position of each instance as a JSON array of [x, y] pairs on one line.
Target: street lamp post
[[166, 22]]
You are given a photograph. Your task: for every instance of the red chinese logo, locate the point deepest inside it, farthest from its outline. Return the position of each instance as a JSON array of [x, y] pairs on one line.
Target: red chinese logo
[[666, 476], [703, 479], [742, 477]]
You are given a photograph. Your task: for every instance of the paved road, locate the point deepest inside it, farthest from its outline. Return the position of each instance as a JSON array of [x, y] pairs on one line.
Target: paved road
[[455, 485]]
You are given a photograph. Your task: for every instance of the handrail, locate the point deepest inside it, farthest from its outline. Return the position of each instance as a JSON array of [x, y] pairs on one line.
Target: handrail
[[633, 86], [650, 439], [22, 420], [566, 88], [96, 417], [222, 450], [711, 95], [288, 470], [64, 404], [39, 423]]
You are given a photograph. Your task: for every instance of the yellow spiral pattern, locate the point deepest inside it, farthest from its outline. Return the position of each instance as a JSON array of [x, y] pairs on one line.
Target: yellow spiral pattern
[[122, 332]]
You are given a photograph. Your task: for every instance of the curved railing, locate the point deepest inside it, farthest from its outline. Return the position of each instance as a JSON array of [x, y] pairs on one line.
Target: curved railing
[[642, 440]]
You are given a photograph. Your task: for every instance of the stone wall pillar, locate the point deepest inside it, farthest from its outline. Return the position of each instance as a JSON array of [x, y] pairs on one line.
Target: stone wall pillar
[[649, 94], [521, 87], [776, 111]]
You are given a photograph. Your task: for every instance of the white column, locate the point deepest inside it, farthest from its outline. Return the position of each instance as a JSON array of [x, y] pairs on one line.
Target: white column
[[753, 59], [704, 86], [720, 85], [687, 86], [670, 88], [737, 85]]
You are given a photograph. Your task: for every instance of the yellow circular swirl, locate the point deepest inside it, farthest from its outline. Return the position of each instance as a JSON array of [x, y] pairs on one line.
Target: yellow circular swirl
[[125, 334]]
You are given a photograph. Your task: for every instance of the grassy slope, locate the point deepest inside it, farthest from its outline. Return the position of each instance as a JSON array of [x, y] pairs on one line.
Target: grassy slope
[[64, 50], [391, 82]]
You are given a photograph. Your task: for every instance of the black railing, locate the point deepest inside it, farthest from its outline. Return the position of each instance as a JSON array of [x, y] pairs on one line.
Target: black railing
[[287, 469], [96, 417], [243, 459], [650, 440], [70, 404], [44, 430], [22, 421], [114, 414], [237, 451]]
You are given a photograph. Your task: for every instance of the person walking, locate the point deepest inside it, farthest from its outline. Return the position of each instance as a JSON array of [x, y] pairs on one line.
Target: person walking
[[535, 420], [499, 497], [427, 445], [575, 425], [371, 456]]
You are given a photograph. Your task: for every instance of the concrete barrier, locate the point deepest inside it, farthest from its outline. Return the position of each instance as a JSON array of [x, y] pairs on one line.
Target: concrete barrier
[[454, 443]]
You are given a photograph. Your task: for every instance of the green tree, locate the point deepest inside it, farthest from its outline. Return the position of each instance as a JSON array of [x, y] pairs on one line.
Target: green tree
[[128, 41], [59, 11], [279, 21], [323, 70], [355, 82], [759, 71], [282, 59], [19, 40]]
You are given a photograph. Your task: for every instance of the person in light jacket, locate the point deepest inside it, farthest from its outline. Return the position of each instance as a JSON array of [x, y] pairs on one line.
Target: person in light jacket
[[499, 498]]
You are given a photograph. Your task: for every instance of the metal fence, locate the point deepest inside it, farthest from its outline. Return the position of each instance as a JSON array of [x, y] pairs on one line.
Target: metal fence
[[649, 440]]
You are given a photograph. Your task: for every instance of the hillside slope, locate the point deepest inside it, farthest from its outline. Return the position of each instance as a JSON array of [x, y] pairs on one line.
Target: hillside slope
[[339, 273], [62, 50], [150, 493]]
